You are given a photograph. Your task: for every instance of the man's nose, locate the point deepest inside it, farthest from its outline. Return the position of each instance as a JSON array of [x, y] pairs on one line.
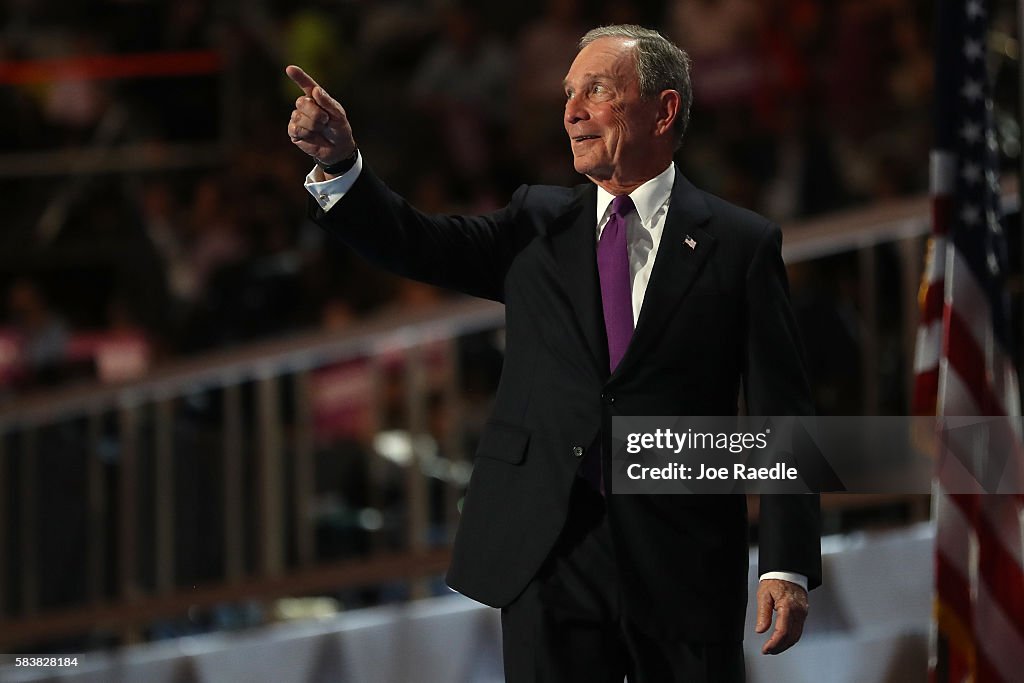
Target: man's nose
[[574, 112]]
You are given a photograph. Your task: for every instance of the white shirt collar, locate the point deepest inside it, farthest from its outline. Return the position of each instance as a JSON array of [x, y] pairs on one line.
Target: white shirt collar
[[647, 198]]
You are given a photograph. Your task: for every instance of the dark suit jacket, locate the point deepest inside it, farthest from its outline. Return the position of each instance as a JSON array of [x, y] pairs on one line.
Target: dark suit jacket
[[713, 317]]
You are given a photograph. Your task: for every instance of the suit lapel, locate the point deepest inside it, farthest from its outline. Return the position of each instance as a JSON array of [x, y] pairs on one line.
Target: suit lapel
[[682, 252], [574, 244]]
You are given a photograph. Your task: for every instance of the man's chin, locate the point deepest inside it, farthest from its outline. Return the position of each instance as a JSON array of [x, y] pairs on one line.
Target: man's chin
[[587, 168], [593, 173]]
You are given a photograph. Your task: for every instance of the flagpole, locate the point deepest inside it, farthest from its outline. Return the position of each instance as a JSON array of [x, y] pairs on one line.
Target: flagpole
[[1020, 191]]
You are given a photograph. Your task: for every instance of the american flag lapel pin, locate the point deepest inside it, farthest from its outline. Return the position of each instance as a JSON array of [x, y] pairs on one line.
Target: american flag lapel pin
[[690, 242]]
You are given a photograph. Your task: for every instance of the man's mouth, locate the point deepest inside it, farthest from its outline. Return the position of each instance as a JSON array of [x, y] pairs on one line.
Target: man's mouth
[[581, 138]]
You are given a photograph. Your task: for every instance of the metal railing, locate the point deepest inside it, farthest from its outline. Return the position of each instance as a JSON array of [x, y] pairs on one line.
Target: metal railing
[[127, 443]]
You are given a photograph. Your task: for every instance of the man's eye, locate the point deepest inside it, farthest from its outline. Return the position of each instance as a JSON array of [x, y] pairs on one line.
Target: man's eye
[[598, 88]]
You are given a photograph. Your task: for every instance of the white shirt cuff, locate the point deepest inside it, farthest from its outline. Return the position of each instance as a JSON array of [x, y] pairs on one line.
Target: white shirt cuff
[[327, 193], [798, 579]]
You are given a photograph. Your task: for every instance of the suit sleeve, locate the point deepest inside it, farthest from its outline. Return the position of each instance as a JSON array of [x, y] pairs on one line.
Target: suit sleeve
[[467, 253], [775, 383]]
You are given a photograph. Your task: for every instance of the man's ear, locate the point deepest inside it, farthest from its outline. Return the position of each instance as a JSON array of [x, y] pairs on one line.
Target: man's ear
[[669, 105]]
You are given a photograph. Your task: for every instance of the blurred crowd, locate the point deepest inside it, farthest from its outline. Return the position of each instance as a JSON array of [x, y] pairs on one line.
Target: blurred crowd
[[801, 107]]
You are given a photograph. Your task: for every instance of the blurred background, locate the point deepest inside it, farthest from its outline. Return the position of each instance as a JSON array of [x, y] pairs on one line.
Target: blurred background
[[215, 421]]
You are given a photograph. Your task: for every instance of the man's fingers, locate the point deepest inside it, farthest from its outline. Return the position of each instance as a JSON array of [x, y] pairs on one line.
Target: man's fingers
[[321, 106], [299, 132], [303, 119], [309, 107], [301, 79], [314, 146], [328, 103], [776, 644], [789, 603], [313, 135], [779, 640], [765, 604], [782, 639], [297, 124]]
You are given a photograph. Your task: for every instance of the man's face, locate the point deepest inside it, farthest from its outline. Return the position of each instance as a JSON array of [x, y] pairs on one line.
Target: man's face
[[611, 129]]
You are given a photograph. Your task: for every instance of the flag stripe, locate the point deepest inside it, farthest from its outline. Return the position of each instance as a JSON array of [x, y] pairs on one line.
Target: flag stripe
[[994, 637], [956, 396], [933, 304], [998, 570], [952, 534], [956, 594], [997, 640], [966, 357], [959, 636], [1005, 374], [986, 673], [925, 389], [928, 340]]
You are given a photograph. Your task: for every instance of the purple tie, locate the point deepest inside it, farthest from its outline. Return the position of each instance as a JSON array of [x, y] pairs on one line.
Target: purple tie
[[613, 269], [617, 301]]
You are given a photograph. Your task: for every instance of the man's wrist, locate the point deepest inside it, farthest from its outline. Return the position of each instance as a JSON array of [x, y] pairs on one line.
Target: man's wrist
[[339, 167], [328, 190], [792, 577]]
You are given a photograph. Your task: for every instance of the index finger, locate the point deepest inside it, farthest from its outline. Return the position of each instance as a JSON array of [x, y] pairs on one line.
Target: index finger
[[301, 79]]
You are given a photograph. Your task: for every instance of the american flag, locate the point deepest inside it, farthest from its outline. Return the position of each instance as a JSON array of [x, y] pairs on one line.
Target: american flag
[[963, 366]]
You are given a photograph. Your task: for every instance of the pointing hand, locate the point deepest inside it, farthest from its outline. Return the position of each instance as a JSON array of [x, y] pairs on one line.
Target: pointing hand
[[318, 125]]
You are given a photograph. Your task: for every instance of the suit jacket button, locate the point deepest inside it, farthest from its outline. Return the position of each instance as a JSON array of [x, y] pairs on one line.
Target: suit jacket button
[[577, 451]]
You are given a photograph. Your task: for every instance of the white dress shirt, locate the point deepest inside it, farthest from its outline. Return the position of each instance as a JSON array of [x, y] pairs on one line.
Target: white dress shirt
[[644, 228]]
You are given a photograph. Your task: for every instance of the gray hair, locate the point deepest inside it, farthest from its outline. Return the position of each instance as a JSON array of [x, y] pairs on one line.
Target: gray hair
[[660, 65]]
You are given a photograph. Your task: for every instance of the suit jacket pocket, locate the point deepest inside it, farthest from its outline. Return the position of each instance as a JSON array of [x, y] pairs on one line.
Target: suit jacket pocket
[[503, 442]]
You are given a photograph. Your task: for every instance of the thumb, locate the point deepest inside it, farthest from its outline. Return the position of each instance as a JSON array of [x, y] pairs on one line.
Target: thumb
[[765, 602], [327, 103], [301, 79]]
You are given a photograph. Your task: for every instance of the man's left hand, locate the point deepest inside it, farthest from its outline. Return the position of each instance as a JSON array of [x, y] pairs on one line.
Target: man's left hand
[[789, 602]]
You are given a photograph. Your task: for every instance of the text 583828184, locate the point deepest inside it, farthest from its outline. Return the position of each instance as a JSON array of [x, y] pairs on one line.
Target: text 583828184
[[46, 662]]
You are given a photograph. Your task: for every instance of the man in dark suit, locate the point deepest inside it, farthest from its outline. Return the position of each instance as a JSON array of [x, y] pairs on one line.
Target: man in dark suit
[[633, 294]]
